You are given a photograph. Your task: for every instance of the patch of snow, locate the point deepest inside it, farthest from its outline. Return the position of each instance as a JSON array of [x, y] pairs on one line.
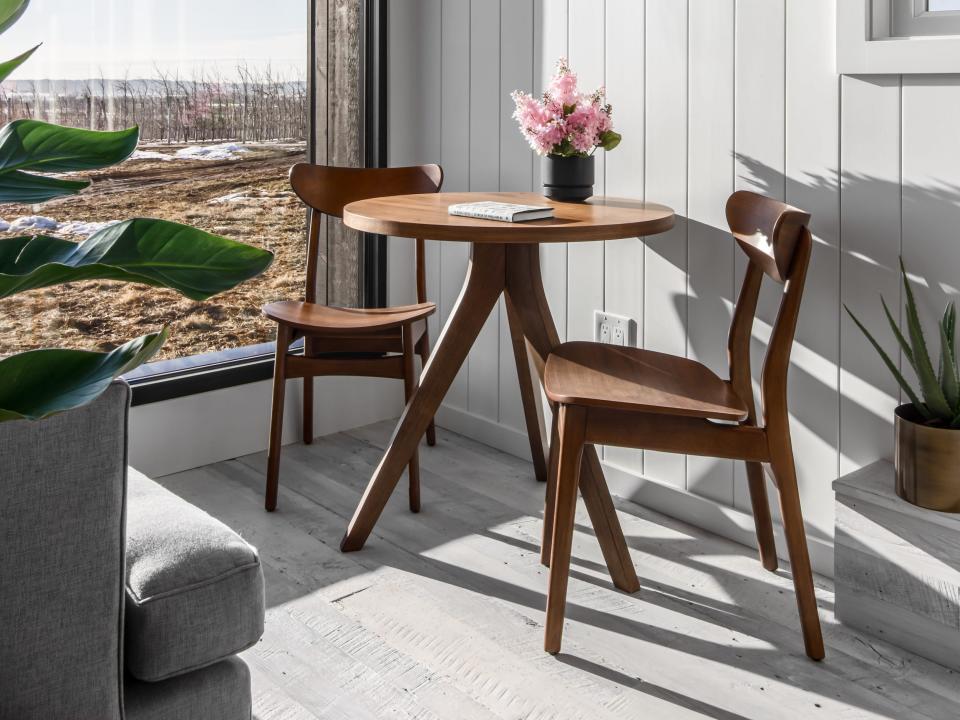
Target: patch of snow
[[223, 151], [86, 229], [256, 197], [33, 222], [234, 197], [40, 223], [150, 155]]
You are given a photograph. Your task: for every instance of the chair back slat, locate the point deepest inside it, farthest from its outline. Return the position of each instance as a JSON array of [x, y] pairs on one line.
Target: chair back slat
[[776, 238], [329, 189], [766, 230], [326, 190]]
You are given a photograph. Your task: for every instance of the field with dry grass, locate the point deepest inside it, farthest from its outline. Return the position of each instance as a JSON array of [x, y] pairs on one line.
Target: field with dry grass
[[246, 198]]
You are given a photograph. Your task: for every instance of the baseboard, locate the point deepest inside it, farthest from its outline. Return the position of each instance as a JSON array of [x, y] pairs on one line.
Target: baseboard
[[624, 483], [196, 430]]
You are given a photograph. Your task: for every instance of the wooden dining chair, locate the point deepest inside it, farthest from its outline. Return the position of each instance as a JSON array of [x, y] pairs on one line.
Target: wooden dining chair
[[375, 342], [642, 399]]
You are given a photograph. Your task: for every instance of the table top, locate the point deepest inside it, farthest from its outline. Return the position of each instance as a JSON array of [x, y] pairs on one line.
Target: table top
[[426, 216]]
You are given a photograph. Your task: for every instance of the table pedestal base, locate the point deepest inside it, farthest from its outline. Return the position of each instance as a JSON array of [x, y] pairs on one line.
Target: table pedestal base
[[514, 271]]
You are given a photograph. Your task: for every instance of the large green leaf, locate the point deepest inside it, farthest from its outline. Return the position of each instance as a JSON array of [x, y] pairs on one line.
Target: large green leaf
[[21, 187], [40, 383], [153, 252], [10, 12], [35, 145], [10, 65]]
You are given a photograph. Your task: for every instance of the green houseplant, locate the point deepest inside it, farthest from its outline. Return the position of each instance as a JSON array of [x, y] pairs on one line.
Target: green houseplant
[[158, 253], [928, 427]]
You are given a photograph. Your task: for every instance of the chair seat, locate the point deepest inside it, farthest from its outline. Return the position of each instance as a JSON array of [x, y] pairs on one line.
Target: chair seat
[[314, 318], [595, 375]]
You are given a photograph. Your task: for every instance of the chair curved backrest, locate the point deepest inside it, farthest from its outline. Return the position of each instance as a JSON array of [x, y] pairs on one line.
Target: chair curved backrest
[[776, 238], [326, 190]]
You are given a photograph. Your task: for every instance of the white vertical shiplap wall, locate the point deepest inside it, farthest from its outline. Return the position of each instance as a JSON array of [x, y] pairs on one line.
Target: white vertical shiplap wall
[[711, 96]]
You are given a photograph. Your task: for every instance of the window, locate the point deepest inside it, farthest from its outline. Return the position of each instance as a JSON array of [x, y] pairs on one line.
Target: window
[[917, 18], [898, 36], [223, 97]]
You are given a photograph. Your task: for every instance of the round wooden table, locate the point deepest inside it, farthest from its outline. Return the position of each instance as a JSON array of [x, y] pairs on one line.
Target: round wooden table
[[505, 259]]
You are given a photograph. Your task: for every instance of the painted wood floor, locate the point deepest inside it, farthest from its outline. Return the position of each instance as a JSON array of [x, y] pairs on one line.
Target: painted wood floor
[[441, 615]]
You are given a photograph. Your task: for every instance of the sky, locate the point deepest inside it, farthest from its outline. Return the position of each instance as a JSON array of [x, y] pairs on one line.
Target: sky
[[81, 38]]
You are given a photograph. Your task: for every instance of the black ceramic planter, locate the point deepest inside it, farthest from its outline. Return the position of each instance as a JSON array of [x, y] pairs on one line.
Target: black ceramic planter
[[568, 179]]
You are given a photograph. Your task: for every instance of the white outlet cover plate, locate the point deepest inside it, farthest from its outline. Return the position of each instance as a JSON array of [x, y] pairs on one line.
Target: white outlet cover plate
[[613, 329]]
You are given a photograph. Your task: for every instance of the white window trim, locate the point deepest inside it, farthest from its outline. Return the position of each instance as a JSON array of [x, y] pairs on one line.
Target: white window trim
[[865, 45]]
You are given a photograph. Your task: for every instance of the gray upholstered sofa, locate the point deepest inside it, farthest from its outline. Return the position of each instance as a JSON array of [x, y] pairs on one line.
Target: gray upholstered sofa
[[117, 598]]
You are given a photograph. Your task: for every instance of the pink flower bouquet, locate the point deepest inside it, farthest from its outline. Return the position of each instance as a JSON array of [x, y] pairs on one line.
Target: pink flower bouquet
[[564, 122]]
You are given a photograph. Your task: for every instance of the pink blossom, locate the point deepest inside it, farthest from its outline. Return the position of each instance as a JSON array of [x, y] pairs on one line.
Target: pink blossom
[[563, 121], [563, 87]]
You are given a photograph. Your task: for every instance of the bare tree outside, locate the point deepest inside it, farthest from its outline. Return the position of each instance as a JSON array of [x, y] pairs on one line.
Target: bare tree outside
[[214, 153]]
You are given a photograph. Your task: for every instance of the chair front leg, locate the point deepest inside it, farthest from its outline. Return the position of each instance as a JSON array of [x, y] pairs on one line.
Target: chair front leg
[[284, 338], [550, 499], [410, 383], [572, 431]]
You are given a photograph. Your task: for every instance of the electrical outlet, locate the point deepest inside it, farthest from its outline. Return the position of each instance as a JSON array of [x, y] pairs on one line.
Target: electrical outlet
[[611, 329]]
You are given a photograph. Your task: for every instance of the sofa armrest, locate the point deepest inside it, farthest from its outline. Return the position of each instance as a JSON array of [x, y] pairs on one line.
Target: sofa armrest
[[62, 562]]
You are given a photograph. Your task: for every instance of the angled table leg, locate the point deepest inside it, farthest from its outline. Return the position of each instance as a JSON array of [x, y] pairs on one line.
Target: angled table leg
[[524, 291], [529, 394], [483, 286]]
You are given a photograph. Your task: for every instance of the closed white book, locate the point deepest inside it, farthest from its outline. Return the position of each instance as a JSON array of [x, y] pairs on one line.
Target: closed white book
[[504, 212]]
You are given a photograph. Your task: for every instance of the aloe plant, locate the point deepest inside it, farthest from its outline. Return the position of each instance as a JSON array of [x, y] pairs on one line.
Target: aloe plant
[[157, 253], [939, 389]]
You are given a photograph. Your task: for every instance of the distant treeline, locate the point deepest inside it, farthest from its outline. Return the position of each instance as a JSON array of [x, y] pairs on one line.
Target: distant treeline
[[258, 107]]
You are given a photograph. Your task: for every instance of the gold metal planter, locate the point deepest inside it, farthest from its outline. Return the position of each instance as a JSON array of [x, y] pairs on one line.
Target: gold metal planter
[[927, 462]]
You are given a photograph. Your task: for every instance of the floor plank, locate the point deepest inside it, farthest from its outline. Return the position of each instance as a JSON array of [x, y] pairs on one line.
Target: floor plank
[[441, 615]]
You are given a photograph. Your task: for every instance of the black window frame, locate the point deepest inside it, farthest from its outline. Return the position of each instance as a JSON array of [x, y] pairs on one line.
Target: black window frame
[[239, 366]]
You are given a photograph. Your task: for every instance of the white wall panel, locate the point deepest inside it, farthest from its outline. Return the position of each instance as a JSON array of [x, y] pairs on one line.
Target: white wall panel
[[930, 209], [812, 175], [550, 42], [665, 260], [870, 233], [455, 158], [585, 260], [486, 101], [710, 291], [516, 167], [623, 266], [760, 147]]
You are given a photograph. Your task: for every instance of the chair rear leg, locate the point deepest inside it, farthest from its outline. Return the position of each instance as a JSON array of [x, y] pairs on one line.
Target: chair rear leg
[[550, 500], [785, 472], [284, 335], [410, 383], [308, 410], [572, 430], [423, 349], [761, 516]]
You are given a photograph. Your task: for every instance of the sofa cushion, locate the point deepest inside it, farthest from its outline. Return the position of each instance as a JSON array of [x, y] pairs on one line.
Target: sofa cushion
[[217, 692], [194, 587]]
